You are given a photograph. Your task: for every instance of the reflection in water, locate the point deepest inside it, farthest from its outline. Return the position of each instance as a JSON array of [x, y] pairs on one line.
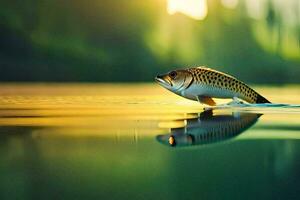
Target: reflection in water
[[209, 128], [89, 140]]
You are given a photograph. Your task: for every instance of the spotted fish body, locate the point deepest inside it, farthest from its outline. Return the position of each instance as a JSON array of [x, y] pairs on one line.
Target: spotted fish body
[[203, 83]]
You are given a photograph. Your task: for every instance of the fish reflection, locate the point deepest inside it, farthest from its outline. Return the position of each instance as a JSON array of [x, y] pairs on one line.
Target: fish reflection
[[209, 128]]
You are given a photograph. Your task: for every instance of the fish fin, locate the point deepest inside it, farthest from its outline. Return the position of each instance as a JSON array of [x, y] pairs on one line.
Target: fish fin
[[207, 114], [206, 100]]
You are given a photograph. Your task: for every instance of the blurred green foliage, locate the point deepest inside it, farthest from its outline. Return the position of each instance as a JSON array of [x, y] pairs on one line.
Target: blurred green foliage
[[133, 40]]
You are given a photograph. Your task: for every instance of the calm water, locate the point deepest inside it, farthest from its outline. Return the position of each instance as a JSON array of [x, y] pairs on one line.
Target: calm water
[[141, 142]]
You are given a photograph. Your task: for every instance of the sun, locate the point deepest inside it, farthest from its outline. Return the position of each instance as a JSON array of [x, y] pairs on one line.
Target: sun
[[196, 9]]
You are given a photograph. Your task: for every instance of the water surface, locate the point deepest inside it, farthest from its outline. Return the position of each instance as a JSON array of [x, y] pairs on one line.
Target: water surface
[[128, 141]]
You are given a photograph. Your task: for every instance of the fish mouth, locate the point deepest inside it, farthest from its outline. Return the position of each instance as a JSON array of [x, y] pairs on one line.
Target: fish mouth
[[162, 80]]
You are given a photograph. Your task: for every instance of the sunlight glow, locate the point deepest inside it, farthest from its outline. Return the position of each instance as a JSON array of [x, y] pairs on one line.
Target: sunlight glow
[[257, 9], [231, 4], [196, 9]]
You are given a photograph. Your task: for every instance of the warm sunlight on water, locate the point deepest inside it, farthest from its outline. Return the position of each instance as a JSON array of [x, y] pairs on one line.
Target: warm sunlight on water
[[117, 141]]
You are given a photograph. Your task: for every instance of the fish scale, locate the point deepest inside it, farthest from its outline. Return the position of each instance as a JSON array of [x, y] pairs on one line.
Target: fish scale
[[207, 76]]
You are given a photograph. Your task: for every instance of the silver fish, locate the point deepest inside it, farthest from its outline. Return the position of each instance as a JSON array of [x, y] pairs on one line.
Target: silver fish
[[202, 84]]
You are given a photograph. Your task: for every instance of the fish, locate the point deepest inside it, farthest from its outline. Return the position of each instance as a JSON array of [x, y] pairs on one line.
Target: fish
[[202, 84], [209, 128]]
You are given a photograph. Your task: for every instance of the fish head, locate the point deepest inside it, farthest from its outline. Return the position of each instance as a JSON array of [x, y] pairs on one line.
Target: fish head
[[175, 80]]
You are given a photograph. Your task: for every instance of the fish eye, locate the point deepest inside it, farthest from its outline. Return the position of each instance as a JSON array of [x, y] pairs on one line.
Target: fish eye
[[173, 74], [172, 141]]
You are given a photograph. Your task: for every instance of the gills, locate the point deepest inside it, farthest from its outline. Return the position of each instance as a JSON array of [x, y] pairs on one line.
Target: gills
[[203, 84]]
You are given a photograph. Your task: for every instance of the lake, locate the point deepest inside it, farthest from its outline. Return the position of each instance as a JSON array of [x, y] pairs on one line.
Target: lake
[[139, 141]]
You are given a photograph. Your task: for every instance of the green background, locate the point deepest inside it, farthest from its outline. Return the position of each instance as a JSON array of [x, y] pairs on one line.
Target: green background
[[133, 40]]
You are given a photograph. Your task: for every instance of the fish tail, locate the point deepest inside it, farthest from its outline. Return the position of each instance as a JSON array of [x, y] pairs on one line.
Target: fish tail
[[261, 99], [252, 96]]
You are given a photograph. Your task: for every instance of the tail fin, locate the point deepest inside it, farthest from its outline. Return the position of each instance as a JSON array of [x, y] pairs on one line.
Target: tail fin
[[261, 99]]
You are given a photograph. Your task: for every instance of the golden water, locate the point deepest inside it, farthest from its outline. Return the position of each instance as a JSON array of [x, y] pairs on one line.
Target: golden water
[[100, 140], [144, 109]]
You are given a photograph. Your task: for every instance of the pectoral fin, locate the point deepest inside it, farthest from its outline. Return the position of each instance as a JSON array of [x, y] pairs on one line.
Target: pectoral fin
[[206, 100]]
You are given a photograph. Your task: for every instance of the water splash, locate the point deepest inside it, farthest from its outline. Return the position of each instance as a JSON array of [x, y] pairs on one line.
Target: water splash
[[260, 108]]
